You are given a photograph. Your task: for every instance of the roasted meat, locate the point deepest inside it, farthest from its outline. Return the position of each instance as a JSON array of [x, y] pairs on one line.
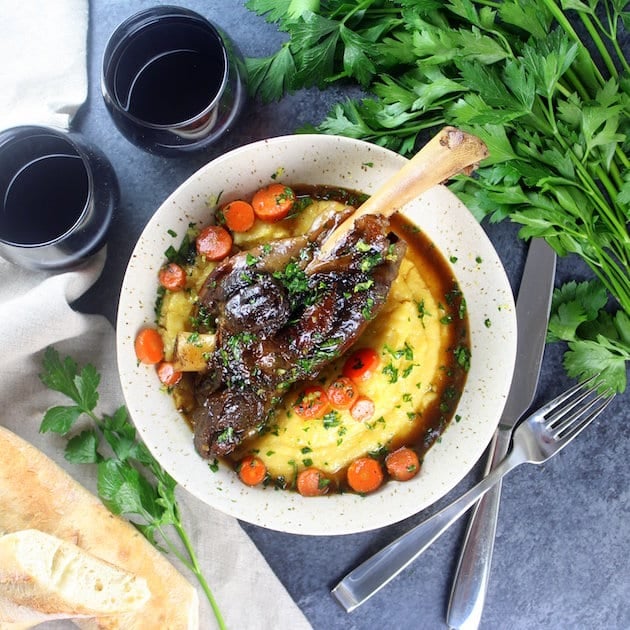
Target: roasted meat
[[277, 323]]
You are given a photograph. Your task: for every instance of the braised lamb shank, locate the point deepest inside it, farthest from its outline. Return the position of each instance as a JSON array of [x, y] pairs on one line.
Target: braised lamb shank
[[285, 310], [277, 322]]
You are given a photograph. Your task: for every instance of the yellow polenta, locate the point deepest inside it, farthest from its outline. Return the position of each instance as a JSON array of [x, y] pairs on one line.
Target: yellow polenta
[[411, 352]]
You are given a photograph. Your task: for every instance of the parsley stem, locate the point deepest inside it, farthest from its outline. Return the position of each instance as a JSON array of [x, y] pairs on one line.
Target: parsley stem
[[577, 83], [611, 34], [613, 171], [620, 55], [196, 570], [623, 158], [604, 177], [599, 44]]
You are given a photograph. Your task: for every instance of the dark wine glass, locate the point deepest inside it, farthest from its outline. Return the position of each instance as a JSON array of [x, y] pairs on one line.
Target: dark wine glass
[[172, 81], [57, 197]]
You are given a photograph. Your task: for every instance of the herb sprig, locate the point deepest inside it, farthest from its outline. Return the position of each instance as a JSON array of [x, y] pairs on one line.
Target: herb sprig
[[545, 83], [123, 479], [597, 339]]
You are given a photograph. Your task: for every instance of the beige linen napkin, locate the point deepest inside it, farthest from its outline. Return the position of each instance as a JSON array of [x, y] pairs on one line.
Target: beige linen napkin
[[43, 78], [35, 313]]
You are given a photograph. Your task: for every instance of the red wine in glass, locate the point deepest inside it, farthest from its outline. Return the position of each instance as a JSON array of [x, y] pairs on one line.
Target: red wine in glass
[[172, 81], [57, 197]]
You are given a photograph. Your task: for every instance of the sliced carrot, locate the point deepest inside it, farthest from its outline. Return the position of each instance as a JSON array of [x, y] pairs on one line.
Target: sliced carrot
[[172, 277], [361, 364], [214, 242], [312, 402], [402, 464], [167, 373], [342, 393], [238, 215], [362, 409], [273, 203], [364, 475], [149, 346], [252, 470], [312, 482]]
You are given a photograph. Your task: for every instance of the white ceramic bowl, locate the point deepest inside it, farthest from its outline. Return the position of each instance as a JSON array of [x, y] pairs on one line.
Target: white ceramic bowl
[[336, 161]]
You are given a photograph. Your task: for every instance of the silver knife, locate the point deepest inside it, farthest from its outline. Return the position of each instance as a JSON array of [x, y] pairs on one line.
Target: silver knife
[[532, 316]]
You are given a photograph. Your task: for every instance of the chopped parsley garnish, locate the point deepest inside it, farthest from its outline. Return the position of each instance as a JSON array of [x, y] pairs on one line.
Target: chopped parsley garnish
[[331, 419], [366, 311], [203, 318], [391, 372], [462, 308], [187, 251], [405, 352], [371, 261], [422, 311], [453, 295], [407, 371], [363, 286], [227, 435], [193, 339], [462, 356], [294, 280]]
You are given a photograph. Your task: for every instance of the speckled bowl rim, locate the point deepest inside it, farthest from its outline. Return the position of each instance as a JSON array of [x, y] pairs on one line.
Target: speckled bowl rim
[[355, 164]]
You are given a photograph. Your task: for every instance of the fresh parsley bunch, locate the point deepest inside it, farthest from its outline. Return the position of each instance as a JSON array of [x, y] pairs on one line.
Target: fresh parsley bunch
[[130, 481], [545, 84]]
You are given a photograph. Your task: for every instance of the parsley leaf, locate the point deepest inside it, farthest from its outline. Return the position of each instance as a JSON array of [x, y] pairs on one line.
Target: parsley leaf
[[598, 342], [273, 75], [60, 419]]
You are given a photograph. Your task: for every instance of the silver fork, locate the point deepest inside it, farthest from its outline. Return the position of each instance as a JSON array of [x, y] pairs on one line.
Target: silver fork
[[538, 438]]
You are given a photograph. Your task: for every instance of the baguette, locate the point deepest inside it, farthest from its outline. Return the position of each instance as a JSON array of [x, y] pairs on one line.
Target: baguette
[[35, 493], [40, 573]]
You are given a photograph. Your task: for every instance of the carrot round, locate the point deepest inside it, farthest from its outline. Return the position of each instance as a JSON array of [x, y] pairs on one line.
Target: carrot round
[[342, 393], [172, 277], [402, 464], [364, 475], [252, 470], [214, 242], [149, 346], [273, 202], [362, 409], [312, 482], [238, 215], [361, 364], [312, 402], [167, 373]]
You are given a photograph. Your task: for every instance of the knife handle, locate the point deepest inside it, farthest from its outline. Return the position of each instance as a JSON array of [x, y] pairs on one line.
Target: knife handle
[[468, 593]]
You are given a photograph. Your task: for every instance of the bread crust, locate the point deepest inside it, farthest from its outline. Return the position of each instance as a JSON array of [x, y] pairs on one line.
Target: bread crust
[[37, 494], [42, 572]]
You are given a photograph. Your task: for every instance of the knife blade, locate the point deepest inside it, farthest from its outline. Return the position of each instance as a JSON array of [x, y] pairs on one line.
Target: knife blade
[[532, 317]]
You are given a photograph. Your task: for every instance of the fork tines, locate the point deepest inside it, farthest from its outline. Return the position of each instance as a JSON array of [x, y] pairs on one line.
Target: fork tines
[[589, 401]]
